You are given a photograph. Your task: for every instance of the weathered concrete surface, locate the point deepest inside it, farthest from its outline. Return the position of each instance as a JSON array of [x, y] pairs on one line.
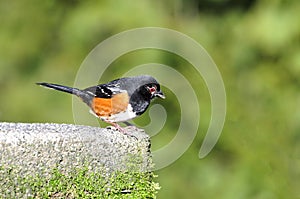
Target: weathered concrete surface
[[36, 147]]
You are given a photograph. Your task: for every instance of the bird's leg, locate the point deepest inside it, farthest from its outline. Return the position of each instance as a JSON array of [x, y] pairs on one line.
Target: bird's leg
[[123, 130], [117, 126]]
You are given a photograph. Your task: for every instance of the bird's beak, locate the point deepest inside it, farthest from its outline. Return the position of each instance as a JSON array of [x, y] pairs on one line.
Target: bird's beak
[[160, 95]]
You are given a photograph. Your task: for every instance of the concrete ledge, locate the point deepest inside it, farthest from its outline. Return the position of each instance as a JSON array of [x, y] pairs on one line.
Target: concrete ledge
[[35, 147]]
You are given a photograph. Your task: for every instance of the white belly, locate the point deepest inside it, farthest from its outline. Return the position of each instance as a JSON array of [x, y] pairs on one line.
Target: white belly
[[119, 117]]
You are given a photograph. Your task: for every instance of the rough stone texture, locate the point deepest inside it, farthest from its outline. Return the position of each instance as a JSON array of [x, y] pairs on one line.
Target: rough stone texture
[[36, 147]]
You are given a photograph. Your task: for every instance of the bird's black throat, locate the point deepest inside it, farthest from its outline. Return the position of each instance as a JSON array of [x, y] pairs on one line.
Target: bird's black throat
[[140, 100]]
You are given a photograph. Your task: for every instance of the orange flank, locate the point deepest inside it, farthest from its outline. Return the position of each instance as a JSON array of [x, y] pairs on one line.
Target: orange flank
[[105, 107]]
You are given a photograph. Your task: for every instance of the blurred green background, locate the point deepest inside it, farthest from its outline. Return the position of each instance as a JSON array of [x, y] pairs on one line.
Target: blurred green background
[[256, 45]]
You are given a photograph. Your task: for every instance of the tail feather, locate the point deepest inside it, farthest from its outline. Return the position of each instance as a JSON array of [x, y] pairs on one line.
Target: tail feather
[[58, 87], [86, 97]]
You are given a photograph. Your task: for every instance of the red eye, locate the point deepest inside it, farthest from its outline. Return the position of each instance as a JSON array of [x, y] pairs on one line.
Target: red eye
[[152, 89]]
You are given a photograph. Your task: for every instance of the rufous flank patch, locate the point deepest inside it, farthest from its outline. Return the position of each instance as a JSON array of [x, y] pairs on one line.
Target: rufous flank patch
[[105, 107]]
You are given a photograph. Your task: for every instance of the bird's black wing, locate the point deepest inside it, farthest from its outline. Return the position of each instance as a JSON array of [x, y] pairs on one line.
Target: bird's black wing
[[104, 90]]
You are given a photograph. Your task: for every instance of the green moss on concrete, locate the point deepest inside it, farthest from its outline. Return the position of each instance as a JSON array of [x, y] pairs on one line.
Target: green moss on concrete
[[79, 183]]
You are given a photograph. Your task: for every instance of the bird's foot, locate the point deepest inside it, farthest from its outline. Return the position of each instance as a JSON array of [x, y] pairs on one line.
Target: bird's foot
[[117, 126], [125, 130]]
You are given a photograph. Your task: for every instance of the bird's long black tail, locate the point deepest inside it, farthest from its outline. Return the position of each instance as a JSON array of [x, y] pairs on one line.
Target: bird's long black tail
[[86, 97], [58, 87]]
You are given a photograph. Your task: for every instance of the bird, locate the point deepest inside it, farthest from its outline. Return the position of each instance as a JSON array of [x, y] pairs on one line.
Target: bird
[[117, 101]]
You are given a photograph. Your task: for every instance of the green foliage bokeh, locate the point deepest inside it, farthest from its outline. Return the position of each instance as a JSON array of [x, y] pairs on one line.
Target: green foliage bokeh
[[255, 44]]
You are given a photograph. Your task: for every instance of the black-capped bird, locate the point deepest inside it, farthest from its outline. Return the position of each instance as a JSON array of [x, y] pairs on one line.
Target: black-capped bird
[[119, 100]]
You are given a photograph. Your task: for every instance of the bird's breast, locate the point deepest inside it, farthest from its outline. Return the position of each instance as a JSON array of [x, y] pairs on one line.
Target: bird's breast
[[115, 109]]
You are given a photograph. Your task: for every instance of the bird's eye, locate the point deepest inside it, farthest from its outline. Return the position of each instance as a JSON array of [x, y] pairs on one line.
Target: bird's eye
[[152, 88]]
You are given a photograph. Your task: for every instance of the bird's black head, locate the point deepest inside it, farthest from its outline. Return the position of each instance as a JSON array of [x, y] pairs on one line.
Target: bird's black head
[[152, 90], [147, 88]]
